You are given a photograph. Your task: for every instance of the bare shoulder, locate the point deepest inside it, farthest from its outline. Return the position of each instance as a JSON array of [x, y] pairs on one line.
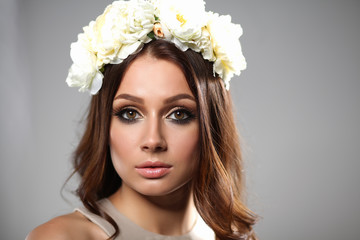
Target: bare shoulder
[[66, 227]]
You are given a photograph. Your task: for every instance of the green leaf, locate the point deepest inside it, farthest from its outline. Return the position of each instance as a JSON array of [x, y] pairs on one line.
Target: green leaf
[[151, 35]]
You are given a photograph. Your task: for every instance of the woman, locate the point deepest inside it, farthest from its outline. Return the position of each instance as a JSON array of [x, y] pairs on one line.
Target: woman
[[160, 157]]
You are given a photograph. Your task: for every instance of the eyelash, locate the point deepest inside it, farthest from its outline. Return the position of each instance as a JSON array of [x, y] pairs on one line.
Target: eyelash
[[120, 114], [189, 115]]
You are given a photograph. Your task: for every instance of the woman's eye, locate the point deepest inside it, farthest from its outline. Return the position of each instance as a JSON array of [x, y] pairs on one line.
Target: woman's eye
[[128, 115], [181, 116]]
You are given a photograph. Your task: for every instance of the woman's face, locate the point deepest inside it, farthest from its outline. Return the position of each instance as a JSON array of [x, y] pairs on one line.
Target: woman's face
[[154, 131]]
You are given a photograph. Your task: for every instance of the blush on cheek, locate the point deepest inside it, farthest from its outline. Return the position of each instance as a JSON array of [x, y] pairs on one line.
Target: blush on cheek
[[117, 146], [188, 148], [188, 141], [121, 137]]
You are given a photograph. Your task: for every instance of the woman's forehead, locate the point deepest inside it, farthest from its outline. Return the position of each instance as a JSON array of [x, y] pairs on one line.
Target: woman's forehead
[[148, 76]]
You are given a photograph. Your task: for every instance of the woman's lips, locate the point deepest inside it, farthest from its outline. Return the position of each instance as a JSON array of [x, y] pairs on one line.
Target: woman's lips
[[153, 170]]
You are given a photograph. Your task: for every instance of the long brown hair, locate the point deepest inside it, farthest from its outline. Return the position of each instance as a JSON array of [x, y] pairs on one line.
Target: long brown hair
[[218, 186]]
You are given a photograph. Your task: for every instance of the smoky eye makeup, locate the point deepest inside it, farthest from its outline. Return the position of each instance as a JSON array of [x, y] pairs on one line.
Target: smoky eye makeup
[[181, 115], [175, 113], [127, 114]]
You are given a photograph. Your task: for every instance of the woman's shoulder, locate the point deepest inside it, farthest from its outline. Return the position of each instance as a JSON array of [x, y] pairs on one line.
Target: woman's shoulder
[[65, 227]]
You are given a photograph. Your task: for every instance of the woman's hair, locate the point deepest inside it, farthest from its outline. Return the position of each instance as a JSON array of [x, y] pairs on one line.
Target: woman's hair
[[218, 187]]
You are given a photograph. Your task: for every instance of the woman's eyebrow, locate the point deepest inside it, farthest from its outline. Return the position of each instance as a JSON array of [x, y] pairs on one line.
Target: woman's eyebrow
[[167, 100], [178, 97], [129, 97]]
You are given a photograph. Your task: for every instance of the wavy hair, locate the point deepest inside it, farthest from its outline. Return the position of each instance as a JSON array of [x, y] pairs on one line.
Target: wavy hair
[[218, 186]]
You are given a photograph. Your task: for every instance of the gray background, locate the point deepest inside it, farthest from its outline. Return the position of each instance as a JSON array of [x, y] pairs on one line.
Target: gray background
[[297, 107]]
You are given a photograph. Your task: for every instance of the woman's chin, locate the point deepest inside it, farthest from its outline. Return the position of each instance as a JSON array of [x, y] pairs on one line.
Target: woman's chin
[[157, 188]]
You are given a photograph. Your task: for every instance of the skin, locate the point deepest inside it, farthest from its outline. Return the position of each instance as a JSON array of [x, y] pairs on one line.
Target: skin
[[152, 121], [165, 129], [66, 227]]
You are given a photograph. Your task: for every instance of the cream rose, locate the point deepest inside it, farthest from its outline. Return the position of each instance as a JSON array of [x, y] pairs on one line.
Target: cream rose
[[121, 29], [225, 43], [84, 73], [183, 19], [205, 46]]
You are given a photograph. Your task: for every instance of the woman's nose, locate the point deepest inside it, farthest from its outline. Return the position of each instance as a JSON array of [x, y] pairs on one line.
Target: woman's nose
[[154, 140]]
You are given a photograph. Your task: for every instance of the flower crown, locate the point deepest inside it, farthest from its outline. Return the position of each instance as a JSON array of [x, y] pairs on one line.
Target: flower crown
[[125, 26]]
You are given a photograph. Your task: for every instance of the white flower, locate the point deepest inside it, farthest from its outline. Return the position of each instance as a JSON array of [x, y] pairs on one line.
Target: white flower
[[83, 73], [122, 29], [225, 42], [205, 46], [184, 20]]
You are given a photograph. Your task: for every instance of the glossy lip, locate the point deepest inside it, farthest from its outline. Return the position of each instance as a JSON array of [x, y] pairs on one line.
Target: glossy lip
[[153, 170]]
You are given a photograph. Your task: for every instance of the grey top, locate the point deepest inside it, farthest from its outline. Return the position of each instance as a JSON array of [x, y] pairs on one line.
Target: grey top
[[130, 231]]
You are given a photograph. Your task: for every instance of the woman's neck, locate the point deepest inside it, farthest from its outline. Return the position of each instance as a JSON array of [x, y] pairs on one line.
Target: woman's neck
[[172, 214]]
